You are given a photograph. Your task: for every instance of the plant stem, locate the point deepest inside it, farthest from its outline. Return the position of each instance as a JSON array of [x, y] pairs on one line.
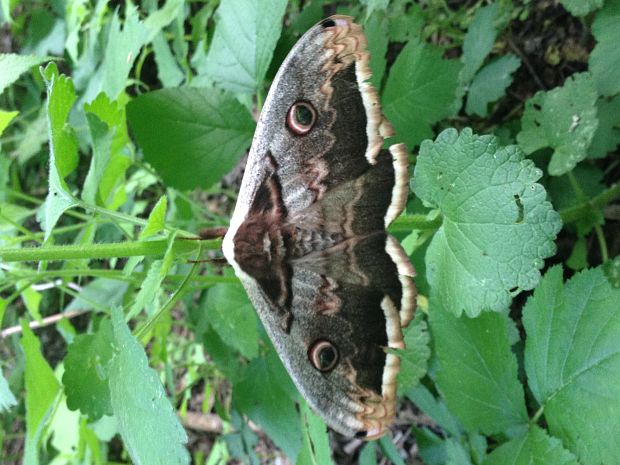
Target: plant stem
[[580, 211], [118, 275], [537, 415], [407, 223], [103, 251], [144, 330]]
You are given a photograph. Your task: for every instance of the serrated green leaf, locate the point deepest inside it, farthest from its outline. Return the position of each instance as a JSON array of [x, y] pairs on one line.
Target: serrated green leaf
[[86, 372], [13, 66], [168, 71], [572, 361], [157, 219], [231, 314], [112, 113], [435, 408], [581, 7], [7, 399], [478, 371], [147, 421], [5, 119], [192, 136], [63, 147], [260, 396], [149, 289], [372, 5], [75, 14], [534, 448], [479, 40], [245, 37], [604, 60], [564, 119], [490, 84], [315, 449], [456, 453], [497, 225], [101, 137], [414, 359], [122, 49], [607, 135], [432, 448], [612, 271], [406, 21], [42, 388], [420, 91]]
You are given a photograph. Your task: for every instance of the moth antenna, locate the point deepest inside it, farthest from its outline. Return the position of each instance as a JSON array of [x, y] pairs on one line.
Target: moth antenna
[[214, 261], [208, 233]]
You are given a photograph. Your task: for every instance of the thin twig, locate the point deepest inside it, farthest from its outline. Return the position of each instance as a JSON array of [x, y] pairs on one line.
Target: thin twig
[[527, 63], [48, 320]]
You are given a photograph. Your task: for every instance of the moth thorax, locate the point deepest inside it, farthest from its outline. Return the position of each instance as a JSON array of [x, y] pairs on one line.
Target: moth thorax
[[258, 244]]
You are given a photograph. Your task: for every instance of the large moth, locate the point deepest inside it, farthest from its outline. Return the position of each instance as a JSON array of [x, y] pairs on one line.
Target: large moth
[[307, 238]]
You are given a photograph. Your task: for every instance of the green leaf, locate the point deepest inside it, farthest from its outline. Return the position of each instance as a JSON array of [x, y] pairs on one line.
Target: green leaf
[[490, 84], [581, 7], [101, 137], [86, 372], [420, 91], [157, 219], [372, 5], [168, 71], [231, 314], [245, 37], [435, 409], [535, 447], [407, 21], [572, 361], [63, 147], [192, 136], [605, 57], [368, 454], [7, 399], [478, 371], [65, 429], [497, 225], [260, 396], [13, 66], [147, 421], [112, 177], [42, 389], [607, 135], [432, 448], [456, 454], [390, 450], [612, 271], [414, 359], [564, 119], [5, 119], [375, 28], [479, 40], [315, 449], [149, 289]]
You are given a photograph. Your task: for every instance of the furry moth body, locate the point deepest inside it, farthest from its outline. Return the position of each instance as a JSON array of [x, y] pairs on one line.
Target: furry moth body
[[307, 238]]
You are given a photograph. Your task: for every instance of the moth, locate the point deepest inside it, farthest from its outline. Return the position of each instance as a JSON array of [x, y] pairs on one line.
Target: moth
[[308, 235]]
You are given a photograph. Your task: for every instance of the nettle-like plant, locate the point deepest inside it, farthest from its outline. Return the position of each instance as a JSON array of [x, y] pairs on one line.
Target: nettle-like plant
[[115, 325]]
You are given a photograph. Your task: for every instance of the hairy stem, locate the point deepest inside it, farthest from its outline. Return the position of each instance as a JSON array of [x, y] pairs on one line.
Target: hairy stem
[[104, 251]]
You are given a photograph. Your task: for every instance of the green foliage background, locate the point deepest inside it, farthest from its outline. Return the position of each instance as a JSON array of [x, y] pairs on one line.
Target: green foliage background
[[118, 124]]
